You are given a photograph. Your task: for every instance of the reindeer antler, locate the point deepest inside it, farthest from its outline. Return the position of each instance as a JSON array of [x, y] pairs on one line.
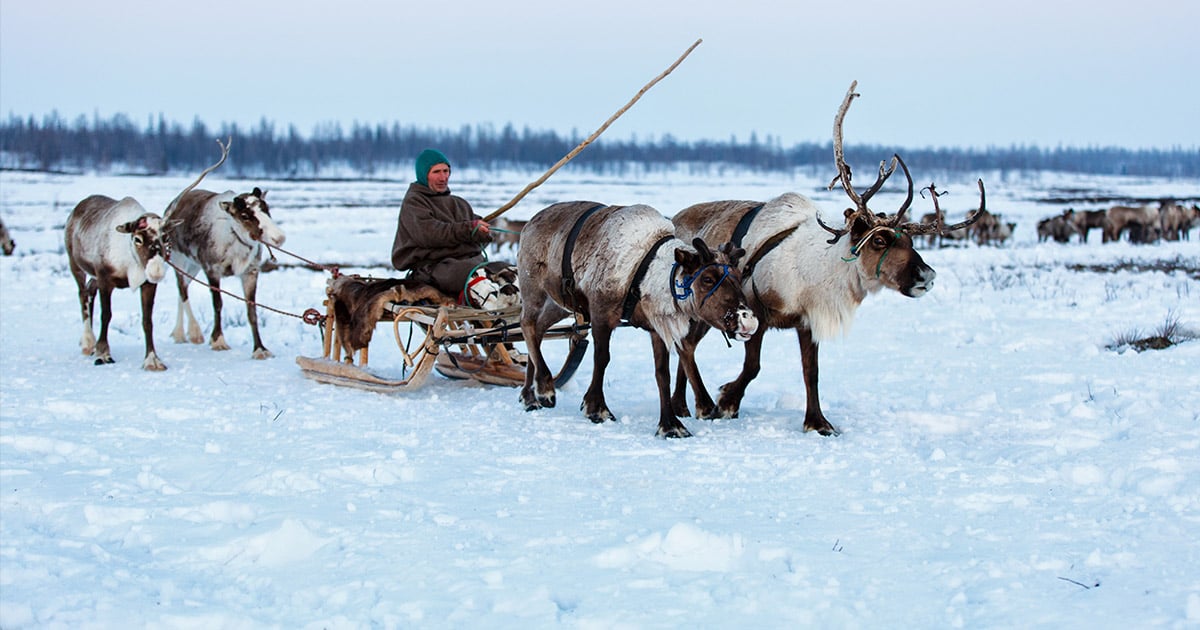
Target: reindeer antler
[[938, 227], [860, 210], [224, 154]]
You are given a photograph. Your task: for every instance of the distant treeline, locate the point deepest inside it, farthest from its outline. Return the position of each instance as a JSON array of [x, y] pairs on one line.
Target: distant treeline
[[161, 146]]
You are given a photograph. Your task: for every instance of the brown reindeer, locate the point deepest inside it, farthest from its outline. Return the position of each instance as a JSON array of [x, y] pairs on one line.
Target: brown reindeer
[[115, 245], [941, 238], [1059, 227], [1140, 221], [615, 264], [1086, 221], [1193, 220], [506, 233], [1173, 219], [795, 277], [7, 244]]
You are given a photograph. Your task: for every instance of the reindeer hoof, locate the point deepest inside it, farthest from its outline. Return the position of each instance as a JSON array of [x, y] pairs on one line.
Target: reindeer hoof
[[599, 416], [103, 360], [533, 402], [678, 431], [822, 427], [262, 353]]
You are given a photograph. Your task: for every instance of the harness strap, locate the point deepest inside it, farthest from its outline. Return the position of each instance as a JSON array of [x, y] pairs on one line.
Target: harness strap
[[743, 226], [739, 232], [568, 272], [766, 248], [635, 286]]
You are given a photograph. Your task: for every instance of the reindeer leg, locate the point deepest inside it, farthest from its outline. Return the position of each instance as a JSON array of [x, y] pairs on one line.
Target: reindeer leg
[[538, 391], [218, 336], [103, 354], [87, 303], [250, 290], [730, 399], [194, 334], [151, 362], [814, 420], [704, 404], [705, 407], [594, 405], [668, 425]]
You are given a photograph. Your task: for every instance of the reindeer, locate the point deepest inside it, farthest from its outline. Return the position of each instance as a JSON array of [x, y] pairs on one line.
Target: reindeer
[[1086, 220], [223, 235], [940, 238], [625, 266], [1059, 227], [1140, 221], [506, 233], [116, 245], [6, 241], [794, 277], [1192, 220], [1173, 219]]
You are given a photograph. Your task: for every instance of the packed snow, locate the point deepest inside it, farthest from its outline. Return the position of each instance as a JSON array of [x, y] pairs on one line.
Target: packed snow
[[1004, 461]]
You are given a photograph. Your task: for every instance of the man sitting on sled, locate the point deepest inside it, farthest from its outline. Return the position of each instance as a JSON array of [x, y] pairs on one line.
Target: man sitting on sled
[[440, 241]]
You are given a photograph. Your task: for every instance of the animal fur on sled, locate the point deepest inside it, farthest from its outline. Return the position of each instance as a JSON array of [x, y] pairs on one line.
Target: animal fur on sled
[[359, 304]]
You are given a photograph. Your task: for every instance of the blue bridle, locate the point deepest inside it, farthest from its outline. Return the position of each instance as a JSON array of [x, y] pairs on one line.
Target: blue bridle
[[686, 284]]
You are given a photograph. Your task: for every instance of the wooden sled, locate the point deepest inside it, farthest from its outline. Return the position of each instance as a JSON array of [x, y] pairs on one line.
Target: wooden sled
[[458, 342]]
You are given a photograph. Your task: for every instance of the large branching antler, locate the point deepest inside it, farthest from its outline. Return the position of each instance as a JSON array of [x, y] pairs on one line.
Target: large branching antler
[[860, 210], [224, 154], [938, 226]]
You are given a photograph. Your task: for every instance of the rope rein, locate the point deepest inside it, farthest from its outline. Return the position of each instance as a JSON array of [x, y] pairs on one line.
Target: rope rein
[[305, 317]]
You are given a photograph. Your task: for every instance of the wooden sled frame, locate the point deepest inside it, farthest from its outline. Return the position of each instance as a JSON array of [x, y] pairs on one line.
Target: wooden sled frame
[[459, 342]]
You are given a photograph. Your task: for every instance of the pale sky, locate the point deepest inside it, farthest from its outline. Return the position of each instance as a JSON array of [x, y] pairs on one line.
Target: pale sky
[[942, 73]]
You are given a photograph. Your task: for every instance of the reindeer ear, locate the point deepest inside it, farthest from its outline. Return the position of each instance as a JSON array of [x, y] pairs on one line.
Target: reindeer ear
[[686, 259], [261, 194], [733, 252], [127, 228], [227, 206]]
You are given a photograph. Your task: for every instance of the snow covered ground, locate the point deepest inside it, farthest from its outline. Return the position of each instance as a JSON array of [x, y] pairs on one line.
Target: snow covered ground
[[999, 466]]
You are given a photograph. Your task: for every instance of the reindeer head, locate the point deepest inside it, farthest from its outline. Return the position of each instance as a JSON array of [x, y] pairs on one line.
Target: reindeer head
[[252, 212], [712, 282], [882, 246], [151, 244]]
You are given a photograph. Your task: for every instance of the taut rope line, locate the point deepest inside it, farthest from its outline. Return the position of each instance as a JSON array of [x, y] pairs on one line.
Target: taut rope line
[[311, 316]]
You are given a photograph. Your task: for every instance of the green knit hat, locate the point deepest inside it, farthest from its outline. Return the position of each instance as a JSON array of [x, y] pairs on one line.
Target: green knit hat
[[428, 159]]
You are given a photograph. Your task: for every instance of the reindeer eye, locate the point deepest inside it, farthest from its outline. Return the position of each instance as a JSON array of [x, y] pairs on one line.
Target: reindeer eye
[[878, 241], [137, 240]]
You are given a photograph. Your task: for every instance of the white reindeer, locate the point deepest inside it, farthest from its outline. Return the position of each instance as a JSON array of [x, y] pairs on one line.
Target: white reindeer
[[223, 235]]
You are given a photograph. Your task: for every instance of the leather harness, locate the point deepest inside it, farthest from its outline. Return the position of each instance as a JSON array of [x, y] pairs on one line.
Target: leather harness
[[568, 272]]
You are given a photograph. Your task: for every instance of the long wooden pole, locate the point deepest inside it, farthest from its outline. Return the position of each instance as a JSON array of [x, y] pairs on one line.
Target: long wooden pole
[[567, 158]]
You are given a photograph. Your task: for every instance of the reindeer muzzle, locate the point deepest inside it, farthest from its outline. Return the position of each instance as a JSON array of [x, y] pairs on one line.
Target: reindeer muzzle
[[740, 323]]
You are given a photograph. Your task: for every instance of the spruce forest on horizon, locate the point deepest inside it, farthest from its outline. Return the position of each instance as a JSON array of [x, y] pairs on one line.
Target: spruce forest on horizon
[[116, 144]]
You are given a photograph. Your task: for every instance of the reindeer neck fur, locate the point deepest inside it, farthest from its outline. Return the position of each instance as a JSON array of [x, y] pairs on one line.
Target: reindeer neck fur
[[668, 317], [832, 283]]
